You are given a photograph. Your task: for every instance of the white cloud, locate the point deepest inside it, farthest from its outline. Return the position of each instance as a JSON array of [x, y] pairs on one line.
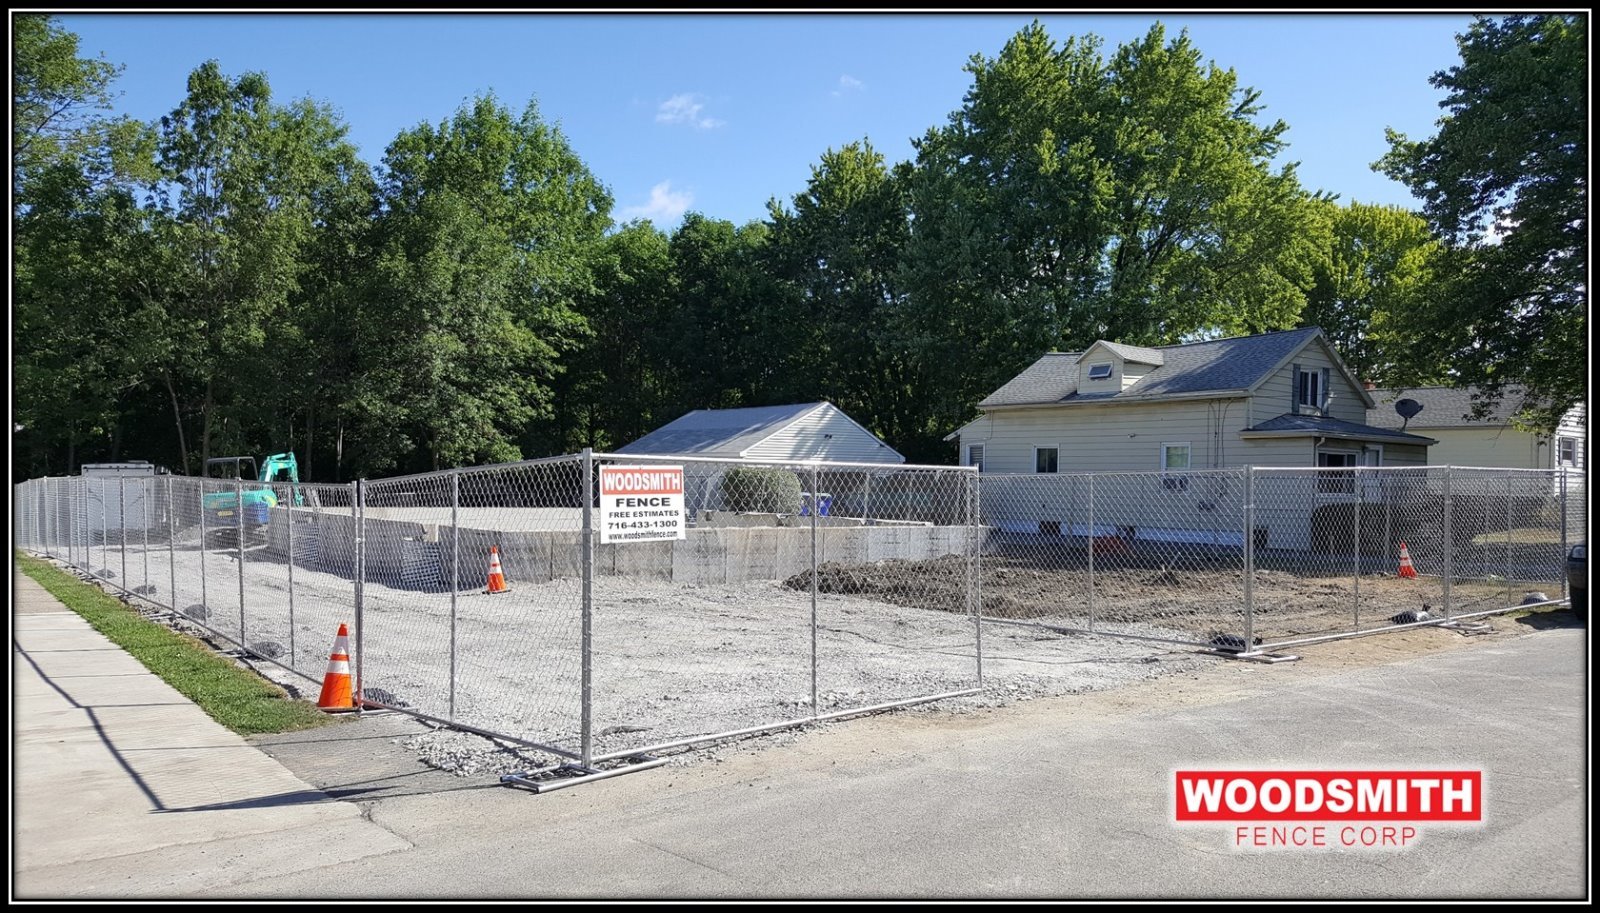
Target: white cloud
[[848, 83], [666, 205], [685, 108], [1497, 229]]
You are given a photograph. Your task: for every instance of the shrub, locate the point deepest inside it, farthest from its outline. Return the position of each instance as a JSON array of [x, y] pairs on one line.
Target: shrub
[[761, 490]]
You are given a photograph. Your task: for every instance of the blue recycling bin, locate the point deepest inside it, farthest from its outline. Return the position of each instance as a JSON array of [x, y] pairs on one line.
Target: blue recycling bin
[[823, 499]]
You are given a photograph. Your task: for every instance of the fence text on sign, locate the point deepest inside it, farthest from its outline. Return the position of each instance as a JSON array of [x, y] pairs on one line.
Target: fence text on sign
[[641, 503]]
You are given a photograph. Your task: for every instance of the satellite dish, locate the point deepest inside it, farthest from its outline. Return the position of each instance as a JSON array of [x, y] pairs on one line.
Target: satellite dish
[[1408, 409]]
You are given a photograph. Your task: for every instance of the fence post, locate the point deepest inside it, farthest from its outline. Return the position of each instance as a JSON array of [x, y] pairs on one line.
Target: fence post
[[1449, 547], [105, 532], [1564, 546], [1361, 494], [1090, 533], [1510, 487], [1249, 558], [455, 577], [205, 598], [144, 501], [358, 510], [975, 530], [172, 554], [814, 570], [238, 515], [122, 522], [585, 734], [80, 522], [289, 515]]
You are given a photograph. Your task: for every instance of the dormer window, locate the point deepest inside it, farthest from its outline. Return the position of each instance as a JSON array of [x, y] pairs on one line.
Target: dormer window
[[1099, 372]]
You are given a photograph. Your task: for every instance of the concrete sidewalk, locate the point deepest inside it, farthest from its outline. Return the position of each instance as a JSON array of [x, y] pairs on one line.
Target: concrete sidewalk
[[125, 789]]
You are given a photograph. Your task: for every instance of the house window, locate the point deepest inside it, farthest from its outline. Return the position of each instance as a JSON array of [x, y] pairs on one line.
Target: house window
[[1174, 461], [1099, 372], [1567, 451], [1310, 388], [975, 456], [1044, 459], [1336, 483]]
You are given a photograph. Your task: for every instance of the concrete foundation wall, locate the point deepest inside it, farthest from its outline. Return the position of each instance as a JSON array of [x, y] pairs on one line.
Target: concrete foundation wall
[[413, 556]]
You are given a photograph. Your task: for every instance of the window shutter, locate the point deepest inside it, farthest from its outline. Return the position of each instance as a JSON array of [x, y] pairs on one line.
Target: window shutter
[[1324, 404], [1294, 394]]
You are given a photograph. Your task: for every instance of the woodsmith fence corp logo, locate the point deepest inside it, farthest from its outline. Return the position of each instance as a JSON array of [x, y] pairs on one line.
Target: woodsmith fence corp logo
[[1312, 809]]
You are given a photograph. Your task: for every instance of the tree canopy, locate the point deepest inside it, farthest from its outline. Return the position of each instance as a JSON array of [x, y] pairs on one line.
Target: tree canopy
[[233, 278], [1505, 184]]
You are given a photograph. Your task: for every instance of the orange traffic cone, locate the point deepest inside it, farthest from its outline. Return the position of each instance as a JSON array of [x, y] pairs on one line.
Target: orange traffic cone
[[497, 578], [336, 682], [1407, 569]]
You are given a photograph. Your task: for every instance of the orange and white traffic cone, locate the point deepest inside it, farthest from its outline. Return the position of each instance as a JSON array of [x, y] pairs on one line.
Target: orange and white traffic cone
[[1407, 569], [336, 695], [497, 578]]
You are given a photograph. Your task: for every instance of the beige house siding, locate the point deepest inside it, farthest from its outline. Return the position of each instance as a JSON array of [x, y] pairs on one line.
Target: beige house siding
[[1407, 454], [1494, 445], [1276, 395], [1125, 437], [1100, 356]]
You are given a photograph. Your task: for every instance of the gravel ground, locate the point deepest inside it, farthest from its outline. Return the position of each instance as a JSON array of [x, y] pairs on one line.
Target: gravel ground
[[670, 661], [673, 661], [1194, 602]]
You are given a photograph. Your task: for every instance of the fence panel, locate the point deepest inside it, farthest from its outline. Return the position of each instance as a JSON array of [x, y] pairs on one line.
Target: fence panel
[[1142, 555], [729, 629], [315, 527], [704, 634], [895, 585], [407, 651], [1506, 527], [434, 640]]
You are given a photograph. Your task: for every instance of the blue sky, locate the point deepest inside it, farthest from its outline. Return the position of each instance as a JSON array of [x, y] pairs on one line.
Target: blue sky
[[719, 113]]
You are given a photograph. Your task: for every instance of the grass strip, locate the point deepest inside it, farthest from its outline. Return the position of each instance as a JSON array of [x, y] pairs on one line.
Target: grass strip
[[234, 696]]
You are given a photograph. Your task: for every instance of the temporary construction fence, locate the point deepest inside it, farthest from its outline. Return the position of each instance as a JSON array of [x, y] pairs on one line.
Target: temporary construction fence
[[1273, 557], [796, 591], [601, 649]]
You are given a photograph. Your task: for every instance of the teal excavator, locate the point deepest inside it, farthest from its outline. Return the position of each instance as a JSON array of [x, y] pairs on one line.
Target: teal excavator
[[222, 508]]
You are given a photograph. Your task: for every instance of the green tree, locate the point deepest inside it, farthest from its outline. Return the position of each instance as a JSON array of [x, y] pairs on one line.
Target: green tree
[[1505, 183], [87, 318], [715, 353], [613, 390], [1074, 197], [53, 93], [481, 253], [242, 191], [837, 251], [1380, 265]]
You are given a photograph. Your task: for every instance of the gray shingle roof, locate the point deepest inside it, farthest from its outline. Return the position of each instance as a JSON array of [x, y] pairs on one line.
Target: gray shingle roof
[[1138, 354], [1197, 367], [1442, 407], [1315, 424], [718, 432]]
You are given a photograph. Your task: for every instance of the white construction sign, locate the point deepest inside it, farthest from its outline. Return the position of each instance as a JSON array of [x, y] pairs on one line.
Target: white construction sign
[[641, 503]]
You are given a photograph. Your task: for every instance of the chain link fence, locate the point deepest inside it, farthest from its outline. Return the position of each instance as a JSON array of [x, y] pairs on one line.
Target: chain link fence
[[1329, 552], [792, 592], [489, 599]]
